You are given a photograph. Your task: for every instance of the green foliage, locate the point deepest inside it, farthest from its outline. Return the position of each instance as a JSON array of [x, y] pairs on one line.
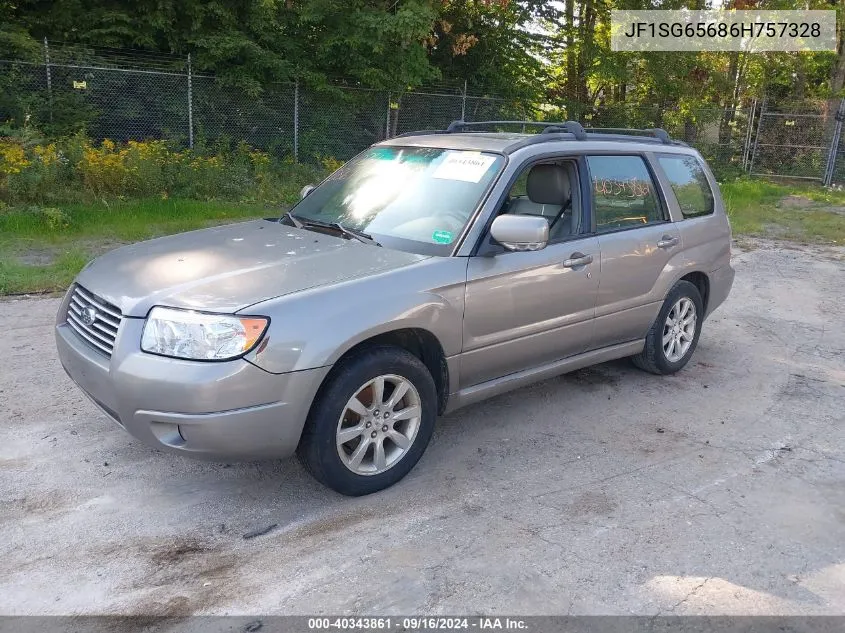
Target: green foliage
[[55, 218], [16, 42], [495, 46], [552, 53], [252, 42], [75, 169]]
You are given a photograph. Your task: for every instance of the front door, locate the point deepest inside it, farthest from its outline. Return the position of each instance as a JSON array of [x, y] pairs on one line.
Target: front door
[[524, 309]]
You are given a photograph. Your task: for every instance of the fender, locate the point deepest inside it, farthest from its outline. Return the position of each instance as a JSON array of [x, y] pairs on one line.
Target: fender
[[316, 327]]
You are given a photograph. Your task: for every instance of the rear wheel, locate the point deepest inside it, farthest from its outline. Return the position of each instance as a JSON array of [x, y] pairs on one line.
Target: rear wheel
[[371, 423], [673, 336]]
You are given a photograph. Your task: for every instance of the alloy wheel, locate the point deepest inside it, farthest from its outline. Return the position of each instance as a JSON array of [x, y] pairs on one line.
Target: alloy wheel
[[679, 329], [378, 425]]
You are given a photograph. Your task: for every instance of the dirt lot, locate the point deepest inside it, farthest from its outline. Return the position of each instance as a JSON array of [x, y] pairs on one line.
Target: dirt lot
[[718, 490]]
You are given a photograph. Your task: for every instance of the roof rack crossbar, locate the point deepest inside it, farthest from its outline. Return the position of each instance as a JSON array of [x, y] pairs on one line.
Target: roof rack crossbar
[[457, 126], [419, 133], [572, 127]]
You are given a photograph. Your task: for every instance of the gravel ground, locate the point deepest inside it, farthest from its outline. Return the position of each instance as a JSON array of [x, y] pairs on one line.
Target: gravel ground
[[720, 490]]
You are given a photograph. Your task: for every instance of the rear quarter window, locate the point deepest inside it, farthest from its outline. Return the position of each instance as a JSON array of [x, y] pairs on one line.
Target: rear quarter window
[[689, 182]]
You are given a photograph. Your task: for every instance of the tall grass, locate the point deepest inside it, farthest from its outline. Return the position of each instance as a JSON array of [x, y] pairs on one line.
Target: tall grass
[[41, 250], [760, 208], [17, 277]]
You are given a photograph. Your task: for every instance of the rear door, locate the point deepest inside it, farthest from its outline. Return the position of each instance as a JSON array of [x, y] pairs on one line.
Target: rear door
[[637, 240], [700, 217]]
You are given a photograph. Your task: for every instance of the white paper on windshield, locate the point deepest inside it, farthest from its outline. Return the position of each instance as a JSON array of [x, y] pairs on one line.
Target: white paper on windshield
[[466, 166]]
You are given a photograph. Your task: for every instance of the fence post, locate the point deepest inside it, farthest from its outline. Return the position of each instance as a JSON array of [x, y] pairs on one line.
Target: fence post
[[827, 179], [464, 102], [746, 143], [757, 136], [190, 107], [387, 119], [49, 78], [296, 121]]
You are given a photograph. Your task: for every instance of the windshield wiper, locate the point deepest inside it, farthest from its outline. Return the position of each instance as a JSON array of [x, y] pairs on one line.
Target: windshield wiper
[[358, 235], [293, 219], [350, 233]]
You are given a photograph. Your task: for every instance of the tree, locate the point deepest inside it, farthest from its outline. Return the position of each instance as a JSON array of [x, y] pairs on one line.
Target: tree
[[252, 42]]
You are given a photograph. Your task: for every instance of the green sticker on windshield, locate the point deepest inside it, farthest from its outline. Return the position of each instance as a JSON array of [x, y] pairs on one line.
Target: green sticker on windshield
[[442, 237]]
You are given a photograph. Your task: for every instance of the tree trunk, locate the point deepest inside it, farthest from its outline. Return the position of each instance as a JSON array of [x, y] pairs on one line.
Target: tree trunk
[[587, 26], [730, 104], [800, 85], [690, 131], [837, 77], [571, 67]]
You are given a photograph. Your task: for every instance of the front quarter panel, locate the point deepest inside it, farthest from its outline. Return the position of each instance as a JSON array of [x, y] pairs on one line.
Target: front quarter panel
[[314, 328]]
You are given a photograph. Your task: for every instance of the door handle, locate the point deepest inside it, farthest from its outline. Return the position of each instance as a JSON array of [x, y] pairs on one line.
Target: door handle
[[577, 259], [667, 241]]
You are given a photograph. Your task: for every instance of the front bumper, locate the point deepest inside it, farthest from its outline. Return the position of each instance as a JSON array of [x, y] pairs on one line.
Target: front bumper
[[218, 411]]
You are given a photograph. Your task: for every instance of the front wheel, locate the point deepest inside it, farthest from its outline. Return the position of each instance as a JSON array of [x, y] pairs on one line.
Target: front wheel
[[371, 423], [673, 336]]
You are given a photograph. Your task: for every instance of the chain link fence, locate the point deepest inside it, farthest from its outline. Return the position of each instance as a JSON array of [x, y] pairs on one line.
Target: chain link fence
[[793, 139], [120, 95], [160, 97], [721, 135]]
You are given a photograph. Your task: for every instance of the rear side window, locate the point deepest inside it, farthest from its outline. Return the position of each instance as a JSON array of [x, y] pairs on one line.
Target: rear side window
[[624, 195], [689, 184]]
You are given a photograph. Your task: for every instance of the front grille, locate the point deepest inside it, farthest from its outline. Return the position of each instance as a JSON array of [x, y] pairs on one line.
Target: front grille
[[94, 319]]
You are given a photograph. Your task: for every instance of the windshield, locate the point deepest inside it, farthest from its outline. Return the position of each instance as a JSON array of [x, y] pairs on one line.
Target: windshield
[[416, 199]]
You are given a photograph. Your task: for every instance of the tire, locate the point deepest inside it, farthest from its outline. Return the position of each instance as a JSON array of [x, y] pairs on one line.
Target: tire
[[358, 377], [654, 358]]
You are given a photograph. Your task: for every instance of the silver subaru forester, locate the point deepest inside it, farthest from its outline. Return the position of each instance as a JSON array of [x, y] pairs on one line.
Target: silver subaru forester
[[432, 271]]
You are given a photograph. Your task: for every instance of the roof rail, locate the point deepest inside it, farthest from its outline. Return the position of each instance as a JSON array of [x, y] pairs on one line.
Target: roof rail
[[657, 132], [570, 127], [561, 131], [554, 135]]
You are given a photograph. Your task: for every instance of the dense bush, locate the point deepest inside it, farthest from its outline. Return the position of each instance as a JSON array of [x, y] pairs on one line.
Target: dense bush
[[73, 169]]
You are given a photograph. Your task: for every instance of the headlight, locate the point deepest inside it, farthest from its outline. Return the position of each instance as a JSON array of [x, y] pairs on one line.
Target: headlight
[[199, 335]]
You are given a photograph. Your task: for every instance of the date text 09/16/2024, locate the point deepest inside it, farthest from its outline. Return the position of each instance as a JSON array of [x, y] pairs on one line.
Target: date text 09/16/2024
[[417, 623]]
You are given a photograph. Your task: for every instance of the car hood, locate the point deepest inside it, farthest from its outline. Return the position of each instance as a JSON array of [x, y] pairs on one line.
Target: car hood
[[227, 268]]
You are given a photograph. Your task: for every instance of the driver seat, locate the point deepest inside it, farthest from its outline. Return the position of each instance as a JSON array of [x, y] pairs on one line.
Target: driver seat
[[548, 189]]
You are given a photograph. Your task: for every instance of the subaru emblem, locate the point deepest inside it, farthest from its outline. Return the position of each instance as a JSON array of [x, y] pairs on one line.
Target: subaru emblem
[[88, 315]]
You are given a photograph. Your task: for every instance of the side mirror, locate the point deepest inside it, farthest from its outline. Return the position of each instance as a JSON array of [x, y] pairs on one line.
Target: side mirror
[[520, 232], [305, 191]]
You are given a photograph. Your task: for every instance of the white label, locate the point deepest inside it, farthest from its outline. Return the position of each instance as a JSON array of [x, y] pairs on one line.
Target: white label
[[466, 166]]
